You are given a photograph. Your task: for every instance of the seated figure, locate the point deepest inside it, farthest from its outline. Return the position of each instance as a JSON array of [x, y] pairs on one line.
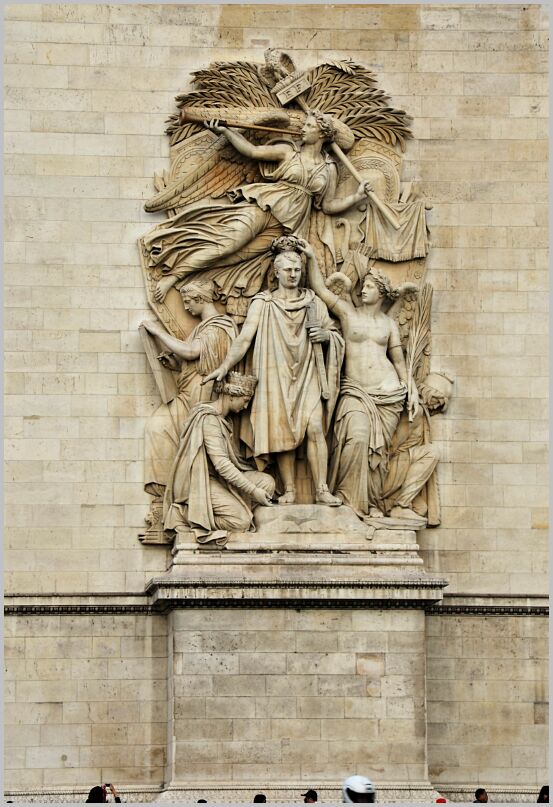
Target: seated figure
[[410, 488], [211, 489]]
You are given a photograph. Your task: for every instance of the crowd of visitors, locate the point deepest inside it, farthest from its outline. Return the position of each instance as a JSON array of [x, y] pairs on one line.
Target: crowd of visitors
[[355, 790]]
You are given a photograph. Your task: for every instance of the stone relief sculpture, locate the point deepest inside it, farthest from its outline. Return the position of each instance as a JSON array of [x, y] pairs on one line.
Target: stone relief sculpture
[[211, 489], [192, 359], [289, 325], [296, 245]]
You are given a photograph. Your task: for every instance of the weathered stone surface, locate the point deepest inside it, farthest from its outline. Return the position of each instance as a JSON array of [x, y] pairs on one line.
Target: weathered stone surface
[[88, 89]]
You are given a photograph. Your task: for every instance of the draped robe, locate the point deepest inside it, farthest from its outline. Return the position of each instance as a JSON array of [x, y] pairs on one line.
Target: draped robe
[[283, 360]]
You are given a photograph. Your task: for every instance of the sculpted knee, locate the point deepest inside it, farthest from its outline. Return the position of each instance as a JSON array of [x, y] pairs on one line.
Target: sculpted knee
[[315, 428]]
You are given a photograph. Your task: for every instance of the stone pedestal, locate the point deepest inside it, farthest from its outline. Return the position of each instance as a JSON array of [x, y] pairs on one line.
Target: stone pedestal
[[297, 657]]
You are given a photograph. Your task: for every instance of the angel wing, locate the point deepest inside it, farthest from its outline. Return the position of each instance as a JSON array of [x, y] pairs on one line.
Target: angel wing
[[221, 170], [403, 308], [339, 284], [349, 91]]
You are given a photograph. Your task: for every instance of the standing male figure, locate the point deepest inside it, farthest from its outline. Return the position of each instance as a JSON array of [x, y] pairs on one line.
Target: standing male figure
[[287, 405]]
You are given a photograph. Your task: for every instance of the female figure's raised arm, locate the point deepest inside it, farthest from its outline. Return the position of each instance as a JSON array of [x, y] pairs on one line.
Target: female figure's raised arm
[[336, 304], [274, 153], [184, 350]]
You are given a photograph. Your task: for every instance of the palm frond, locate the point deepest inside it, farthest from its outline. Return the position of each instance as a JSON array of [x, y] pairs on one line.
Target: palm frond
[[418, 341], [349, 92]]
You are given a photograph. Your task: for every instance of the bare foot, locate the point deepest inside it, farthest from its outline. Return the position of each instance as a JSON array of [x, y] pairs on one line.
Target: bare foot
[[289, 495], [162, 287], [374, 512], [324, 496], [403, 512]]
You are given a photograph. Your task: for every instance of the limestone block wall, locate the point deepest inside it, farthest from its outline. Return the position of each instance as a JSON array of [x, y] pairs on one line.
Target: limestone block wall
[[87, 91], [487, 700], [298, 695], [85, 700]]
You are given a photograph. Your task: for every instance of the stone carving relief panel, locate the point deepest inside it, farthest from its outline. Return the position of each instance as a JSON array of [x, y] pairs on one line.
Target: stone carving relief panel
[[292, 339]]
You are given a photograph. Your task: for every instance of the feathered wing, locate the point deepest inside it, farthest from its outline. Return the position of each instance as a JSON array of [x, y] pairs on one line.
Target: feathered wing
[[418, 341], [222, 169], [349, 91], [222, 87]]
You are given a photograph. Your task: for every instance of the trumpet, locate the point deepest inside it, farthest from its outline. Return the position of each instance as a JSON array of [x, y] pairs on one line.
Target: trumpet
[[187, 115]]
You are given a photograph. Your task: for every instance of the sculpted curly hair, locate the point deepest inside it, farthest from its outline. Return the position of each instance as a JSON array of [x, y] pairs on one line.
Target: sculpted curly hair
[[325, 124], [382, 283]]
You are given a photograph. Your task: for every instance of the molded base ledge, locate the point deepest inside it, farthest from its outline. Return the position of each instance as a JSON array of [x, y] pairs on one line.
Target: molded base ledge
[[416, 793], [281, 585], [290, 793]]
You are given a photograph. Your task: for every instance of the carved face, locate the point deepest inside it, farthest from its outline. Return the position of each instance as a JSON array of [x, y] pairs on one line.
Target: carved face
[[238, 402], [288, 270], [310, 132], [370, 292], [193, 304]]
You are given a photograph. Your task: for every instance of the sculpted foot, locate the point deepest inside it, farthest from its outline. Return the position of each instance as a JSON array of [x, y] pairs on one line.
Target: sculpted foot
[[162, 287], [374, 512], [289, 495], [324, 496], [403, 512]]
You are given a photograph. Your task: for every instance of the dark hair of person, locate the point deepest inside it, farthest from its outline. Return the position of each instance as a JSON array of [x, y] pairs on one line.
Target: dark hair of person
[[479, 792], [543, 797], [259, 798], [96, 795]]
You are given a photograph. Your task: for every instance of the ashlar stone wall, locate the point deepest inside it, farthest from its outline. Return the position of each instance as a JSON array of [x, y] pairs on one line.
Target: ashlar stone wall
[[298, 695], [488, 701], [85, 700], [87, 91]]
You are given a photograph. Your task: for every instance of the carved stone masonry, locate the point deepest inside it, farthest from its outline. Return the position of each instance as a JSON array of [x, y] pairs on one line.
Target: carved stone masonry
[[294, 257]]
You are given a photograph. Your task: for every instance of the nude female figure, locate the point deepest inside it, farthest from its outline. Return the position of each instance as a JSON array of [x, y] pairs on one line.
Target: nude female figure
[[373, 390]]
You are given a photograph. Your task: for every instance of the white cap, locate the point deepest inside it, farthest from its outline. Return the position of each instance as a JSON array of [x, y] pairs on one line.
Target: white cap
[[358, 786]]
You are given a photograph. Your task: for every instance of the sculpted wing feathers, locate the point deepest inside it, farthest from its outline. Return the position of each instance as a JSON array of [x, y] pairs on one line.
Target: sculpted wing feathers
[[222, 170]]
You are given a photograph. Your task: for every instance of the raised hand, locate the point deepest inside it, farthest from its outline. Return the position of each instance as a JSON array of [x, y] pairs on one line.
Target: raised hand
[[305, 247], [215, 126]]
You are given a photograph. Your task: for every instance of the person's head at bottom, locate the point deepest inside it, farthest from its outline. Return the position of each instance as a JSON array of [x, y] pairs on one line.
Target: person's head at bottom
[[259, 798], [543, 797], [97, 795], [310, 797], [358, 790], [481, 795]]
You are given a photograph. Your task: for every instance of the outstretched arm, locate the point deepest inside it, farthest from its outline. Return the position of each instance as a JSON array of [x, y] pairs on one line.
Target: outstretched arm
[[276, 153], [184, 350], [316, 281], [240, 345]]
